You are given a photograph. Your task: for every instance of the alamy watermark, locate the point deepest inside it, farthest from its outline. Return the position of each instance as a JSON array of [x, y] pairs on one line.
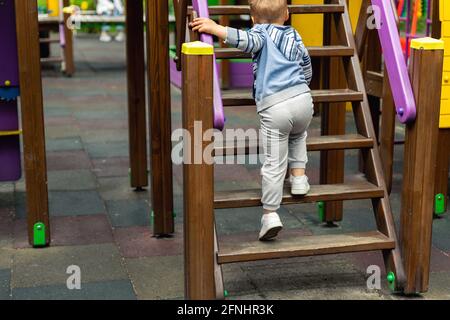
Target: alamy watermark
[[73, 282]]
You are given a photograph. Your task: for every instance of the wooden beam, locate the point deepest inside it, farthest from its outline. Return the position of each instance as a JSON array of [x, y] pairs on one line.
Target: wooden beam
[[198, 178], [419, 172], [387, 132], [69, 64], [160, 115], [31, 102], [137, 122], [333, 122]]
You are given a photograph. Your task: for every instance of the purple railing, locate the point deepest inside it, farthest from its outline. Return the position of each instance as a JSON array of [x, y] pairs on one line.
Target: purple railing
[[395, 61], [201, 7]]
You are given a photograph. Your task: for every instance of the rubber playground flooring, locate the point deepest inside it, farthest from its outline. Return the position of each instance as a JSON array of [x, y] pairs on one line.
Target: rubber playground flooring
[[99, 224]]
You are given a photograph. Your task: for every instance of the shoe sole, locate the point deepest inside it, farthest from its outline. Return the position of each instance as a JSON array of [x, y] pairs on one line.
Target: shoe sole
[[299, 192], [271, 233]]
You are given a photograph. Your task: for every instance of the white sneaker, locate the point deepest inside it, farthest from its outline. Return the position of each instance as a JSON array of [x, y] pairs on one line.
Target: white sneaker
[[299, 185], [120, 37], [105, 37], [270, 226]]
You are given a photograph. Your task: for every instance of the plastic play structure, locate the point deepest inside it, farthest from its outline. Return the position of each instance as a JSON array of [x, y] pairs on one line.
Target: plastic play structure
[[10, 159], [410, 12], [342, 80], [52, 18]]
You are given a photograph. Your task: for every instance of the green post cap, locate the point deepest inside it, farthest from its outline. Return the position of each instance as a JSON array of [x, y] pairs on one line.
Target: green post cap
[[439, 204], [321, 209], [39, 234], [391, 280], [225, 293]]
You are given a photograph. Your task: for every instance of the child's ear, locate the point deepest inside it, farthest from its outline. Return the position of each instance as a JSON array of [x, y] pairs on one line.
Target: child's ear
[[287, 15]]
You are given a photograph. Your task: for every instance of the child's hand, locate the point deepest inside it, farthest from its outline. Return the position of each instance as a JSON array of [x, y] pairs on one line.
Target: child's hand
[[205, 25]]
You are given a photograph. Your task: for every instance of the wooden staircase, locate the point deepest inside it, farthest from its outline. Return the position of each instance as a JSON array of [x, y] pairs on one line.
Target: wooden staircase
[[374, 188]]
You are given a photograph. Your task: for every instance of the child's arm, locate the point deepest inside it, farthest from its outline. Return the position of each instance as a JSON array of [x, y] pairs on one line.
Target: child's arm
[[306, 64], [248, 41]]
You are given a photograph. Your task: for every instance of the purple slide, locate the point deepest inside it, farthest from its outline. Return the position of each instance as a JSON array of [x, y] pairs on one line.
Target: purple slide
[[395, 61], [10, 167], [201, 7]]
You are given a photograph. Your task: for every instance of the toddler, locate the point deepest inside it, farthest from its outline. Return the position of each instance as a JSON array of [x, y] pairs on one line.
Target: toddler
[[283, 72]]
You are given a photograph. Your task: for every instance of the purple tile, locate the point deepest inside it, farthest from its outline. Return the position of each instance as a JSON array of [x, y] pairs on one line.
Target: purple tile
[[68, 160], [60, 121], [137, 242], [70, 231]]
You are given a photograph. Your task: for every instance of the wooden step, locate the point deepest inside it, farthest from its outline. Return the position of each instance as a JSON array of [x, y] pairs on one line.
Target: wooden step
[[293, 9], [49, 40], [339, 142], [233, 98], [303, 246], [325, 51], [52, 60], [325, 192]]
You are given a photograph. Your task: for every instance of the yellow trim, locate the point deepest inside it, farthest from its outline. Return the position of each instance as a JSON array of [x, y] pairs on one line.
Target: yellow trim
[[427, 44], [69, 10], [444, 122], [10, 133], [197, 48]]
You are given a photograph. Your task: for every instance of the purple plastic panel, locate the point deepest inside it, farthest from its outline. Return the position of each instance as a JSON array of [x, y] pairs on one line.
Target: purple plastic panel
[[9, 118], [395, 62], [241, 74], [8, 52], [201, 7], [10, 167]]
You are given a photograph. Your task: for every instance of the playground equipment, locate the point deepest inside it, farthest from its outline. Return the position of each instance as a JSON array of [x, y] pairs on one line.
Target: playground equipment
[[203, 253], [20, 68], [442, 29], [10, 169], [56, 20], [410, 12], [206, 282]]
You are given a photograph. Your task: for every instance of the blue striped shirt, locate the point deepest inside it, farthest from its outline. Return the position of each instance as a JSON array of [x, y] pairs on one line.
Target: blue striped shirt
[[289, 44]]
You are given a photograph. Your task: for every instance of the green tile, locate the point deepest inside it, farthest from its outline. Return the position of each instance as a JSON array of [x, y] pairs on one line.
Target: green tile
[[157, 277], [108, 149], [108, 290], [71, 180], [65, 144], [5, 280], [42, 267], [75, 203], [118, 188], [127, 213]]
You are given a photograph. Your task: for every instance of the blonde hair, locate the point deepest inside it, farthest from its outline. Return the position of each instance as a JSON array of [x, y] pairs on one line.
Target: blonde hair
[[268, 11]]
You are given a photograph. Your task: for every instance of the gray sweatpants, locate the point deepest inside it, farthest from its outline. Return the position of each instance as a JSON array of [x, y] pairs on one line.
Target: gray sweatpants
[[284, 131]]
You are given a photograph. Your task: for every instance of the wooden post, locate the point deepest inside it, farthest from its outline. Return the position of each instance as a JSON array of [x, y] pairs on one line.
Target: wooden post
[[333, 122], [419, 167], [197, 62], [31, 103], [69, 65], [137, 123], [160, 116]]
